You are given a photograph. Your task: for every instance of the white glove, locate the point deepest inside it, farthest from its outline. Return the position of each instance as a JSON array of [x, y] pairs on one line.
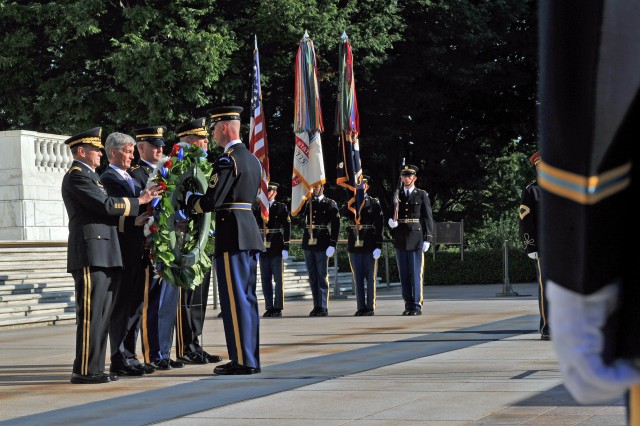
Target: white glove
[[576, 322], [533, 255], [393, 223], [330, 251], [376, 253], [187, 195], [285, 255], [425, 246]]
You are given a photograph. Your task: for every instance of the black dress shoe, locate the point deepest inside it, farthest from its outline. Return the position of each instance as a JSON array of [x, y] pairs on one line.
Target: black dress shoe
[[176, 364], [276, 313], [146, 368], [161, 364], [219, 315], [89, 378], [126, 371], [234, 369], [314, 312], [368, 313], [194, 358], [267, 313], [211, 358], [323, 313], [406, 312], [545, 336], [415, 312], [359, 313]]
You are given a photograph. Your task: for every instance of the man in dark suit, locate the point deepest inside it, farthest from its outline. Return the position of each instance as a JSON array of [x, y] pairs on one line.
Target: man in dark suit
[[412, 235], [365, 246], [276, 234], [193, 302], [160, 298], [528, 230], [233, 186], [93, 255], [124, 322], [319, 242]]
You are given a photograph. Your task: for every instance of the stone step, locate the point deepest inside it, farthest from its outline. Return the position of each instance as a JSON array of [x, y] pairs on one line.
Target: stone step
[[38, 277], [8, 289], [51, 308], [30, 299]]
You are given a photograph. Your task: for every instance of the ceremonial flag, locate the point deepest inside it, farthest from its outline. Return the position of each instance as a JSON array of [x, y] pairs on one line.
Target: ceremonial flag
[[348, 128], [308, 163], [258, 135]]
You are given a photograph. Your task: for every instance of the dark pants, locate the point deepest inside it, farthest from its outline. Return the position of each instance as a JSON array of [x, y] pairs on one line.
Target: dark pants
[[126, 315], [159, 313], [364, 268], [272, 266], [95, 288], [236, 272], [317, 265], [190, 321], [543, 305], [411, 269]]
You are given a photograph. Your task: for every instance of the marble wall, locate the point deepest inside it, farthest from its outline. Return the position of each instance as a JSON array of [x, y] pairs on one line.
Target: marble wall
[[32, 166]]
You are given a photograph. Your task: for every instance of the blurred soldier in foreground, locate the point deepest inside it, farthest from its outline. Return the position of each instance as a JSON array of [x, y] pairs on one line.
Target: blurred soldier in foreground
[[589, 129]]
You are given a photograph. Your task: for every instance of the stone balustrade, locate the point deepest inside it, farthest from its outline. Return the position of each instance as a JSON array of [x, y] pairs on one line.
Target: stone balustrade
[[32, 166]]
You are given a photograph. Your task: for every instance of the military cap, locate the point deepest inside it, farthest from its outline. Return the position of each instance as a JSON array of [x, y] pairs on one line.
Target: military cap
[[89, 137], [154, 135], [273, 186], [194, 127], [535, 158], [224, 113], [409, 169]]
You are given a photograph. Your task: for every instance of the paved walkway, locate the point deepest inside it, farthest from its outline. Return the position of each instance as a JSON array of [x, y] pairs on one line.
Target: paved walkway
[[473, 358]]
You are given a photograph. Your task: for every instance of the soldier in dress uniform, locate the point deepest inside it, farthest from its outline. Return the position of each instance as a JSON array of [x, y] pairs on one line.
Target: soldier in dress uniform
[[150, 145], [365, 245], [412, 234], [528, 229], [125, 318], [93, 254], [276, 235], [589, 95], [322, 219], [161, 304], [193, 302], [233, 186]]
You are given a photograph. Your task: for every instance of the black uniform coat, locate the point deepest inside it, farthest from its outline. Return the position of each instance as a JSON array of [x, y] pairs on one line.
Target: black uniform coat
[[93, 216], [235, 179], [528, 214], [280, 221], [410, 236], [323, 213], [370, 215]]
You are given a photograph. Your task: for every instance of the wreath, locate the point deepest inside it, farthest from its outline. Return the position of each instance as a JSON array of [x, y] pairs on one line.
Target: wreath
[[181, 244]]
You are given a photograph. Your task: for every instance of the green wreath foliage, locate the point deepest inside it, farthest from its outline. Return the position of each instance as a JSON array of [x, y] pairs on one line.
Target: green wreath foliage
[[182, 259]]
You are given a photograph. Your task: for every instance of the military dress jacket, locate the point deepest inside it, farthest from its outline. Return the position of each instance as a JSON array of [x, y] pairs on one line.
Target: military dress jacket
[[528, 217], [371, 225], [415, 221], [233, 186], [131, 237], [278, 232], [93, 219], [322, 221]]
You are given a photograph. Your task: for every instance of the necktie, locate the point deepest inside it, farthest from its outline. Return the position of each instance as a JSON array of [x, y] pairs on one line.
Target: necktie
[[129, 180], [406, 193]]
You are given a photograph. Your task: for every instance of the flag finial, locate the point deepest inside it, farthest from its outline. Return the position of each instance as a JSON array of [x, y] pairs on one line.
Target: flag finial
[[305, 37], [344, 36]]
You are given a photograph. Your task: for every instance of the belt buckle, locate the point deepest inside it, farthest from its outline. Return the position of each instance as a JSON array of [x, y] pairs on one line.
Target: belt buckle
[[359, 243], [267, 244]]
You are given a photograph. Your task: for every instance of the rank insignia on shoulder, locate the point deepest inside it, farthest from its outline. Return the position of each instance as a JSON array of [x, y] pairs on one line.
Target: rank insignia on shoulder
[[213, 181], [135, 168], [74, 169]]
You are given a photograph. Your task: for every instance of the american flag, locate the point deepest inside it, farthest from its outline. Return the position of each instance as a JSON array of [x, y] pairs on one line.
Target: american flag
[[258, 135]]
